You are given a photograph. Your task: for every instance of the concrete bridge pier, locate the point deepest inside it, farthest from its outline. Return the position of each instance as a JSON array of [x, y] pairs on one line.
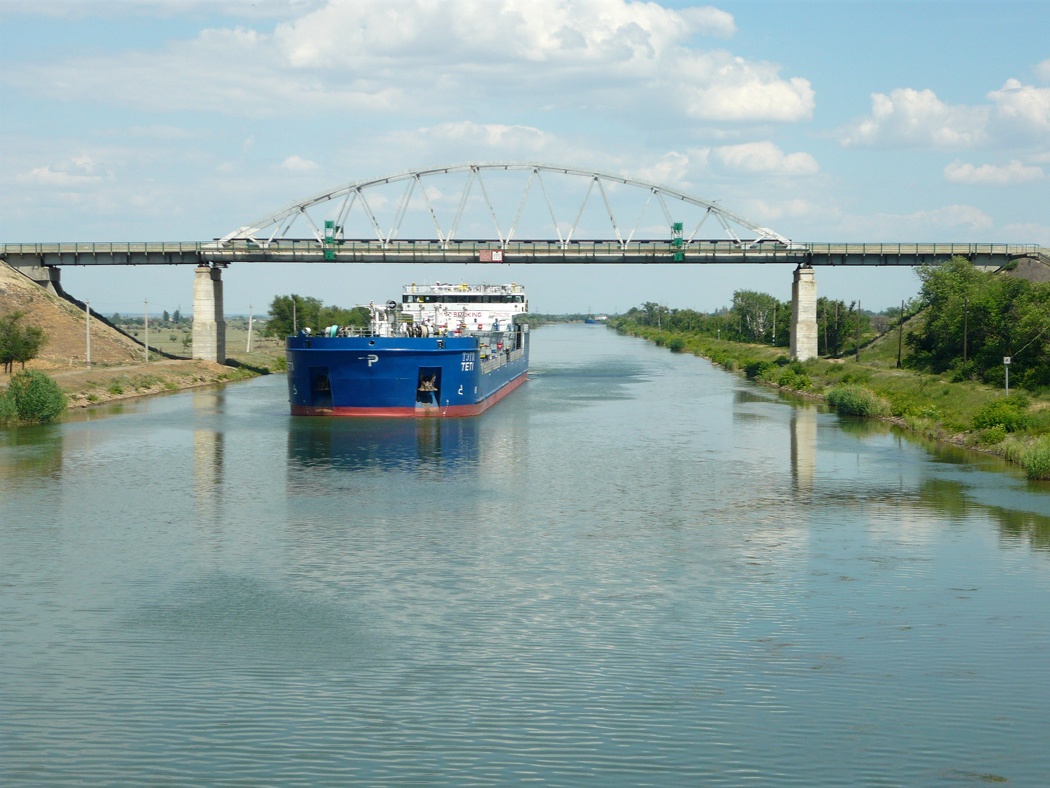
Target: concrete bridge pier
[[47, 276], [804, 314], [209, 327]]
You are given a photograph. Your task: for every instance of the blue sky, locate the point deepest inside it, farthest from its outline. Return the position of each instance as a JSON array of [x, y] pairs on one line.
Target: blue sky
[[182, 120]]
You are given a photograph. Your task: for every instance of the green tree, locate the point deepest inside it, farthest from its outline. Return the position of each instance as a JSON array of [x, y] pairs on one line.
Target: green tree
[[754, 313], [166, 317], [284, 319], [19, 343], [974, 318], [309, 313], [176, 317]]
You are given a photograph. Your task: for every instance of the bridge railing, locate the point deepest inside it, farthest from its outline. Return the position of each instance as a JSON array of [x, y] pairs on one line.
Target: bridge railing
[[104, 247], [478, 250]]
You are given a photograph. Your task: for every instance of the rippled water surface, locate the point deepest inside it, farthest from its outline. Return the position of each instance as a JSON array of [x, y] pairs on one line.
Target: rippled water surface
[[636, 570]]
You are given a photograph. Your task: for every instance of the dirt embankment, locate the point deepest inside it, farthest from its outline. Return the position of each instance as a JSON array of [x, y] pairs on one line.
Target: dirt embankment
[[117, 367], [65, 327], [86, 387]]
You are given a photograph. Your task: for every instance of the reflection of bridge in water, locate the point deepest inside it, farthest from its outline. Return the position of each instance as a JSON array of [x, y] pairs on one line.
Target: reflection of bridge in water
[[343, 225]]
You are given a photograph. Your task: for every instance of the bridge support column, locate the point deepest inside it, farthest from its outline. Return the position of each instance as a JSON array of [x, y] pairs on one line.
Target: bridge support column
[[47, 276], [804, 314], [209, 327]]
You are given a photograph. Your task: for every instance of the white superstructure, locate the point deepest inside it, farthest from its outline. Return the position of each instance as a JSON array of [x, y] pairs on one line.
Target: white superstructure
[[463, 308]]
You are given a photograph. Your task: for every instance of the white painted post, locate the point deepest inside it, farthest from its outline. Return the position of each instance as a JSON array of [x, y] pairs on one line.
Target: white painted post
[[87, 308], [147, 330], [249, 349]]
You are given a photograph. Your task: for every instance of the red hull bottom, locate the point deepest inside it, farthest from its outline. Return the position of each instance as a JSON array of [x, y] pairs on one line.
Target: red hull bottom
[[420, 412]]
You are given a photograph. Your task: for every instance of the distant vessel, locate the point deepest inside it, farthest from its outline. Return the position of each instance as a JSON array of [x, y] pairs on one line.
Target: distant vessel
[[590, 320], [445, 350]]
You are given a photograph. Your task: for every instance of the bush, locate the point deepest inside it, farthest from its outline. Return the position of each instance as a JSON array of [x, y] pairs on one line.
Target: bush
[[754, 368], [790, 378], [1035, 457], [1008, 413], [992, 435], [35, 398], [675, 344], [857, 401], [8, 412]]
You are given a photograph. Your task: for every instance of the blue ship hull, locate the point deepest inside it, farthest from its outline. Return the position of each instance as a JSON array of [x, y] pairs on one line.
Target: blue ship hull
[[401, 376]]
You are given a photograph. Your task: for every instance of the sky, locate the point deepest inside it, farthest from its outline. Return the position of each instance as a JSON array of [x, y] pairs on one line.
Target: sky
[[824, 121]]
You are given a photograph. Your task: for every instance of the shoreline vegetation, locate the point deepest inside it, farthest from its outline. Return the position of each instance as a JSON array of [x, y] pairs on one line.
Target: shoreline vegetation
[[101, 385], [950, 385]]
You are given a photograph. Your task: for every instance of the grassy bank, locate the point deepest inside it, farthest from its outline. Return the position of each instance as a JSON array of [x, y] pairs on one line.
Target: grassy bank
[[84, 388], [962, 413]]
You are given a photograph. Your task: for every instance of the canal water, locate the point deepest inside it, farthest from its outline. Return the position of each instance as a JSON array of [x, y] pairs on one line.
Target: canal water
[[636, 570]]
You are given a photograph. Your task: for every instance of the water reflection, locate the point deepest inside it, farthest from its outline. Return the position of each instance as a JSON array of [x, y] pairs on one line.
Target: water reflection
[[417, 445], [30, 452], [208, 457], [803, 446]]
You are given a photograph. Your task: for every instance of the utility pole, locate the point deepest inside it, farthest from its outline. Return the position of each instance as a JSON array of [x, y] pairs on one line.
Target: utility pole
[[900, 336], [966, 314], [249, 349], [295, 324], [87, 309], [146, 321], [774, 324], [858, 330]]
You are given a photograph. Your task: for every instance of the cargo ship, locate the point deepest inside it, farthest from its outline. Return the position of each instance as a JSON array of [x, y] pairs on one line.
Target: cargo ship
[[444, 350]]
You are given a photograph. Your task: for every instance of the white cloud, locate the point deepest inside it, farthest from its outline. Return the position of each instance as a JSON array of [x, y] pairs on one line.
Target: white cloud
[[716, 86], [164, 9], [45, 176], [1028, 233], [674, 168], [1042, 70], [788, 209], [1023, 107], [766, 157], [299, 164], [384, 55], [947, 223], [79, 171], [916, 118], [511, 139], [1014, 172]]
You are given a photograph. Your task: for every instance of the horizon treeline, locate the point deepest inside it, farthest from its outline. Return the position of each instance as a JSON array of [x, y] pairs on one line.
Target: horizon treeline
[[289, 313], [970, 321], [763, 319]]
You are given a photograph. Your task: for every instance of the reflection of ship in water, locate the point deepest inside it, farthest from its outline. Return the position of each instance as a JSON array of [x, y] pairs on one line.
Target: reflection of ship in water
[[429, 445]]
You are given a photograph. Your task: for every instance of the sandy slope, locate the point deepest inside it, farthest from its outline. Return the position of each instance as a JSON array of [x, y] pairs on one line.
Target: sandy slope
[[64, 324]]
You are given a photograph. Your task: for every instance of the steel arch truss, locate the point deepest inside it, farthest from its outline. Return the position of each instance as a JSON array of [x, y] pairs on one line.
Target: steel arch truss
[[276, 226]]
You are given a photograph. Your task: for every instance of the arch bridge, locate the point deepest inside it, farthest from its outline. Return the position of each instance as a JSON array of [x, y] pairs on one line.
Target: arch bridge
[[499, 213]]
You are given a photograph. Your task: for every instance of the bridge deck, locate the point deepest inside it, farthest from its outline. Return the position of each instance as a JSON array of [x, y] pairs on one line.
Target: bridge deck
[[574, 252]]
